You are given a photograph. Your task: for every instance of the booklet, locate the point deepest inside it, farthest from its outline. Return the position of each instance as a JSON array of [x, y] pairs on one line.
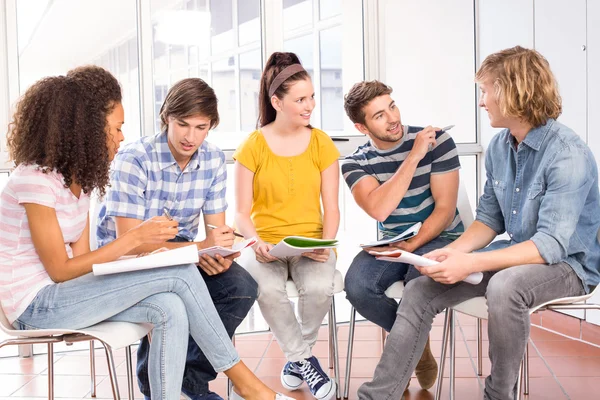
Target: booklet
[[410, 258], [224, 252], [296, 245], [167, 258], [407, 234]]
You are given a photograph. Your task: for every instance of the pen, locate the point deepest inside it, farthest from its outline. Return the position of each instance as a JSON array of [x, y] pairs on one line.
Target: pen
[[234, 232], [447, 128], [167, 214]]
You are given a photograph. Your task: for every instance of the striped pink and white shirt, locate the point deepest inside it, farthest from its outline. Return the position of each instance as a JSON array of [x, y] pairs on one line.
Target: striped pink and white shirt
[[22, 274]]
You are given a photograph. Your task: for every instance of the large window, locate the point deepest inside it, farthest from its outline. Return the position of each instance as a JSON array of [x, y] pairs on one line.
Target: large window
[[313, 30], [218, 41], [55, 36]]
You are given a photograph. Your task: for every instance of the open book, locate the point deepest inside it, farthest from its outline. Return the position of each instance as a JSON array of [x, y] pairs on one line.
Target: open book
[[407, 234], [181, 255], [224, 252], [410, 258], [296, 245]]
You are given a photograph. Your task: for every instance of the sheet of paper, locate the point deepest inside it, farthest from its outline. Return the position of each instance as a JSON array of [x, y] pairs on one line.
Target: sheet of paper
[[407, 234], [224, 252], [410, 258], [182, 255]]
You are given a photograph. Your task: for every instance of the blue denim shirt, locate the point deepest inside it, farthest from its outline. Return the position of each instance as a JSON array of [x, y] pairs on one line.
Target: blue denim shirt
[[545, 189]]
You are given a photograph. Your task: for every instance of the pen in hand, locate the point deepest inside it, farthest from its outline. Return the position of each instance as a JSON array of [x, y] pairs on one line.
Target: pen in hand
[[234, 232], [167, 214]]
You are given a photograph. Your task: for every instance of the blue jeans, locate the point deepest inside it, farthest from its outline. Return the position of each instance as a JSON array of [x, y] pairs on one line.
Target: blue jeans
[[233, 293], [174, 299], [367, 280]]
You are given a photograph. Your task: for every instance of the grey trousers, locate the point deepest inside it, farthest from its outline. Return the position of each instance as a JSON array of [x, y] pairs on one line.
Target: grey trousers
[[314, 281], [510, 294]]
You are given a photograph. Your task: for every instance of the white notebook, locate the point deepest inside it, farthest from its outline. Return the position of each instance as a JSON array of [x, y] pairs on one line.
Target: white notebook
[[407, 234], [181, 255], [410, 258], [296, 245], [224, 252]]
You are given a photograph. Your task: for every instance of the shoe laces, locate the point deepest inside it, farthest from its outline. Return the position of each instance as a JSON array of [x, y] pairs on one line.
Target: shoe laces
[[310, 373]]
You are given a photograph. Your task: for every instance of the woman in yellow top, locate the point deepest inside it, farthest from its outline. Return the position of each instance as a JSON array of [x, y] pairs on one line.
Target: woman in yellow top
[[283, 171]]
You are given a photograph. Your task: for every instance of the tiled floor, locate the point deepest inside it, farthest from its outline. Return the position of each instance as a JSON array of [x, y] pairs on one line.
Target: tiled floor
[[559, 368]]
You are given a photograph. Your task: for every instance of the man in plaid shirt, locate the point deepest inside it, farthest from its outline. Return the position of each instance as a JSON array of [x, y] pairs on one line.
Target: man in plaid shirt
[[178, 170]]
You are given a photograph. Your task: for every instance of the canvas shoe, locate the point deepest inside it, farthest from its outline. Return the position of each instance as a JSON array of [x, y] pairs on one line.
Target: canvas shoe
[[319, 383], [291, 379]]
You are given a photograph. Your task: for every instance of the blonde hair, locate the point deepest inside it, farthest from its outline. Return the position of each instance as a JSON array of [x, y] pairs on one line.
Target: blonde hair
[[524, 84]]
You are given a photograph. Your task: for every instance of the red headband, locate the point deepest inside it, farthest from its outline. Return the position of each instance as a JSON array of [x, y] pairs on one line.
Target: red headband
[[283, 76]]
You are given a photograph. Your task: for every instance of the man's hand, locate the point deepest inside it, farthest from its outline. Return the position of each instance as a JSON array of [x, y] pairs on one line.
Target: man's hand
[[221, 236], [424, 141], [454, 266], [216, 265], [406, 245], [261, 249], [319, 255]]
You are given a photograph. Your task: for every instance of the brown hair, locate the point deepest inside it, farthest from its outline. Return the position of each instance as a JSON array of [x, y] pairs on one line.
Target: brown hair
[[275, 64], [60, 124], [360, 95], [190, 97], [524, 84]]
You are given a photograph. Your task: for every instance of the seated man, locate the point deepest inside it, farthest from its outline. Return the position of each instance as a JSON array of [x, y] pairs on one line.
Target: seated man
[[403, 175], [541, 188], [179, 171]]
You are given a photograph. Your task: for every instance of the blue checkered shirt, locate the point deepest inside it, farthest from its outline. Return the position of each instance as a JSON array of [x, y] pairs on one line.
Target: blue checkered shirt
[[145, 178]]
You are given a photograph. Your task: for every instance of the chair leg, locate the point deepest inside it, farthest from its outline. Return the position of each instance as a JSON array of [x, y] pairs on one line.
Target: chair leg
[[336, 353], [479, 347], [383, 336], [518, 395], [452, 353], [229, 383], [112, 371], [526, 369], [50, 371], [349, 356], [129, 372], [442, 364], [92, 369], [330, 339]]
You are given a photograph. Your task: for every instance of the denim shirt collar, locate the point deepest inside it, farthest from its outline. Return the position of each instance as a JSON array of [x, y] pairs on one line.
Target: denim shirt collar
[[534, 138], [165, 157]]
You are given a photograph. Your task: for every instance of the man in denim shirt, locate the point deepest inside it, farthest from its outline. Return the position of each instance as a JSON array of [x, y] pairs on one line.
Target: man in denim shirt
[[542, 189]]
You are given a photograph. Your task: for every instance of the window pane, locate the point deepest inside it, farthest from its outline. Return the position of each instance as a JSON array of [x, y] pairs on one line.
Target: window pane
[[303, 47], [50, 43], [224, 85], [248, 12], [250, 71], [221, 12], [332, 97], [329, 8], [296, 14]]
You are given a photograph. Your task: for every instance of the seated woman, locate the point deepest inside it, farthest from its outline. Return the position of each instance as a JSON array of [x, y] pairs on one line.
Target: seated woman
[[65, 132], [283, 170]]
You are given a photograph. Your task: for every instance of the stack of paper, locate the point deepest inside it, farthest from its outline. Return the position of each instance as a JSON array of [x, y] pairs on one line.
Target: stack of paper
[[182, 255], [224, 252], [407, 234], [296, 245], [420, 261]]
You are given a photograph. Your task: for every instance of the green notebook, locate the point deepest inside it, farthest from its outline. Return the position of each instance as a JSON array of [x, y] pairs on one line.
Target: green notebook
[[299, 241]]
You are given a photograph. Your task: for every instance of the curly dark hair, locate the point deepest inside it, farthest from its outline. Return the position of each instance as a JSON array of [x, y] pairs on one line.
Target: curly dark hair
[[60, 124]]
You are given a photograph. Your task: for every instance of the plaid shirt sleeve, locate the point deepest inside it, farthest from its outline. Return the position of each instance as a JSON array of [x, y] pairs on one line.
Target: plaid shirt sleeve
[[125, 197], [215, 199]]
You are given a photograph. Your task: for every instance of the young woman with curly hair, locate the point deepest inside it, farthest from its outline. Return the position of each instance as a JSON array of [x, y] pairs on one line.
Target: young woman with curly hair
[[65, 132]]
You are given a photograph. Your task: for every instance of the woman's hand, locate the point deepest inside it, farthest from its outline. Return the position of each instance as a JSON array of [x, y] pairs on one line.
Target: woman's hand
[[319, 255], [156, 230], [261, 249]]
